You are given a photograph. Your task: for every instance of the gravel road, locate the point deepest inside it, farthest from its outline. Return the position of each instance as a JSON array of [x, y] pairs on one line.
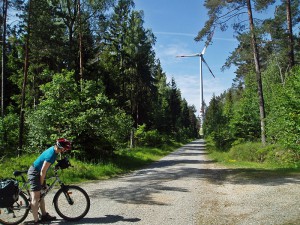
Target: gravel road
[[186, 188]]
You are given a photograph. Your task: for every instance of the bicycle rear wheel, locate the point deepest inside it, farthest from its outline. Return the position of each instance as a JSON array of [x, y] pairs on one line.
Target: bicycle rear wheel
[[71, 203], [17, 213]]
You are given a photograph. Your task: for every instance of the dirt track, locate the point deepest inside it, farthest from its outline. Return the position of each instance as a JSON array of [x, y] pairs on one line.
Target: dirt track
[[186, 188]]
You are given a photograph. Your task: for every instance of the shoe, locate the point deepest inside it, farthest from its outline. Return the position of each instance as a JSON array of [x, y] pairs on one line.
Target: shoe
[[47, 217]]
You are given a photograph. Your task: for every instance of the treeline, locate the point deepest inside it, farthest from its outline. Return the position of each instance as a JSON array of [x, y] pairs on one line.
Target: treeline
[[263, 104], [85, 70]]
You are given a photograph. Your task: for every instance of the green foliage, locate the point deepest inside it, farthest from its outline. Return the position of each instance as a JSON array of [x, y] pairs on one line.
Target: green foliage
[[245, 124], [247, 152], [91, 121], [125, 160], [215, 124], [273, 154], [284, 116], [147, 137], [9, 134], [9, 164]]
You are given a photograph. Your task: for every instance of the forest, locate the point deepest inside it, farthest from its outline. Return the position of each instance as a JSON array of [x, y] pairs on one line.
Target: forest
[[258, 118], [87, 71]]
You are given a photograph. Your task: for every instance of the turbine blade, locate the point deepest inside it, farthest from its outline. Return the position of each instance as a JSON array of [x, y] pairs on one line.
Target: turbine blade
[[209, 38], [194, 55], [204, 49], [203, 60]]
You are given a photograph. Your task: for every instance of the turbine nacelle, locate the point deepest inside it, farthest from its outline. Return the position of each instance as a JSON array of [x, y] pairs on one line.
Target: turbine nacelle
[[202, 58]]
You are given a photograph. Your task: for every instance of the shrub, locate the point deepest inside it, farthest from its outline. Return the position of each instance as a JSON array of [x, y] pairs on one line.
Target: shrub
[[255, 152], [9, 130], [86, 116], [148, 138], [246, 152]]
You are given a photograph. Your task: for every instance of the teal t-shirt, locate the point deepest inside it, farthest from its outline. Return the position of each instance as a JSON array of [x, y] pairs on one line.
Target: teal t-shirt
[[48, 155]]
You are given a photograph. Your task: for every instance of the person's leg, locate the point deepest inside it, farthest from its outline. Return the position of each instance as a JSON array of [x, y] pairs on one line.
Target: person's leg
[[35, 198], [43, 207], [35, 187], [45, 216]]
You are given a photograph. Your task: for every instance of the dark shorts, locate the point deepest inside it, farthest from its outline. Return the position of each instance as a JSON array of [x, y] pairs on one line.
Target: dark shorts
[[34, 179]]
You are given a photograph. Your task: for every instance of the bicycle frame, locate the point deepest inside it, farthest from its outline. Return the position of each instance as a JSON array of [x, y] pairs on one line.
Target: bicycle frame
[[25, 186], [70, 202]]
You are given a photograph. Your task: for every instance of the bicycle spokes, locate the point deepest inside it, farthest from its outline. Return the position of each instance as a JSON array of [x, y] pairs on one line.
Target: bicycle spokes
[[71, 203]]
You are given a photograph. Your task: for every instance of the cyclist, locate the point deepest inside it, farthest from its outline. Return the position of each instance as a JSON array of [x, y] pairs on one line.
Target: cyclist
[[36, 176]]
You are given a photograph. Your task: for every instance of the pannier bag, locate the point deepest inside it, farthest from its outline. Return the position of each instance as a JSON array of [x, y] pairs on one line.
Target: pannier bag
[[9, 192]]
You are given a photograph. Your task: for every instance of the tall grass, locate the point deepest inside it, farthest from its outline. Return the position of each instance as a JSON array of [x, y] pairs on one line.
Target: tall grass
[[123, 161], [254, 155]]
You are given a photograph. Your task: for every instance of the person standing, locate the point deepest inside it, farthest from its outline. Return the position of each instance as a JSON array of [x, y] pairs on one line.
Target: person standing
[[37, 174]]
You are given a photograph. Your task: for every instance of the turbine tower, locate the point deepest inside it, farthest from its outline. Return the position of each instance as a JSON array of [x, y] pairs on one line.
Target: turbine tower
[[202, 60]]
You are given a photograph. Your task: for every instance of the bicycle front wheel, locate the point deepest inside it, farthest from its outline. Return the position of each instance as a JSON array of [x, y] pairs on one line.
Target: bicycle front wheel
[[16, 213], [71, 203]]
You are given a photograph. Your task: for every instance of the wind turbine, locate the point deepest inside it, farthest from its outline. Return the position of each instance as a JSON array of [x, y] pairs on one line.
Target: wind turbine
[[202, 60]]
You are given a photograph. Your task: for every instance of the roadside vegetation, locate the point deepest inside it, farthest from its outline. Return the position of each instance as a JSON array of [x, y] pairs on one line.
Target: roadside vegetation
[[256, 122], [232, 125], [255, 156], [121, 162]]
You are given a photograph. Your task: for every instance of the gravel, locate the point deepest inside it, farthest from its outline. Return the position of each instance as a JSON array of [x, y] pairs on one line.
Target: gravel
[[186, 188]]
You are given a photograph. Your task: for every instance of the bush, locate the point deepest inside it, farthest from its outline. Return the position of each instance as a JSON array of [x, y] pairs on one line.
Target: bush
[[86, 116], [274, 154], [9, 130], [246, 152], [283, 120], [148, 138]]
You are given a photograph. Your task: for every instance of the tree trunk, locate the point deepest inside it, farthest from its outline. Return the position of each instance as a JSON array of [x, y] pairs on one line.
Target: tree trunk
[[290, 33], [3, 77], [80, 47], [26, 64], [258, 74]]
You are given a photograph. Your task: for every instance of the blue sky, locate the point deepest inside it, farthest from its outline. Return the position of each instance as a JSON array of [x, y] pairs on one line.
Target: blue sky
[[175, 23]]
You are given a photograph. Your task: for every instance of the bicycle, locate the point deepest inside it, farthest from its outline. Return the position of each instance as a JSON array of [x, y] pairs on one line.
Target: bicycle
[[71, 202]]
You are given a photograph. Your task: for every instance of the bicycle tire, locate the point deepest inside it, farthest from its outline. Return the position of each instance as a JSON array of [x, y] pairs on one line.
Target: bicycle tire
[[71, 203], [17, 213]]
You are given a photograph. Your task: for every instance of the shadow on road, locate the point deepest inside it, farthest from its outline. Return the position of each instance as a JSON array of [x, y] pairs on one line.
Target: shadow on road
[[189, 162], [107, 219]]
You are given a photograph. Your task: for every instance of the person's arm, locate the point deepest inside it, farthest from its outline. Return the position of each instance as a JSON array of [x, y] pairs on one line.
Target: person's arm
[[44, 169]]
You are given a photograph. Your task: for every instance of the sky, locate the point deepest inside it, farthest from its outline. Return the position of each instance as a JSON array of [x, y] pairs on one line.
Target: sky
[[176, 23]]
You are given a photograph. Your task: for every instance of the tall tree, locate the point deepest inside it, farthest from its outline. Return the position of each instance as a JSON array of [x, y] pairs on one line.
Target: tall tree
[[140, 61], [220, 19], [290, 33], [128, 49], [161, 111], [175, 105], [26, 66], [3, 75], [258, 74]]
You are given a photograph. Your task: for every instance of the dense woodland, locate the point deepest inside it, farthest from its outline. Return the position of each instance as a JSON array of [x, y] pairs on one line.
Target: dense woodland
[[263, 104], [87, 71]]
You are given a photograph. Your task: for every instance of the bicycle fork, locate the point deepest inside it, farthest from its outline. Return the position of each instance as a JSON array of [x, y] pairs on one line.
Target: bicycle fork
[[67, 193]]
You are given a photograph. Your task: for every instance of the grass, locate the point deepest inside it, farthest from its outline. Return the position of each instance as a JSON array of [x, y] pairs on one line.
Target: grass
[[124, 161], [225, 159]]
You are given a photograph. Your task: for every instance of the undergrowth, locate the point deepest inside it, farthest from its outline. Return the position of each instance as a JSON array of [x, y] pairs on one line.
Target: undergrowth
[[123, 161]]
